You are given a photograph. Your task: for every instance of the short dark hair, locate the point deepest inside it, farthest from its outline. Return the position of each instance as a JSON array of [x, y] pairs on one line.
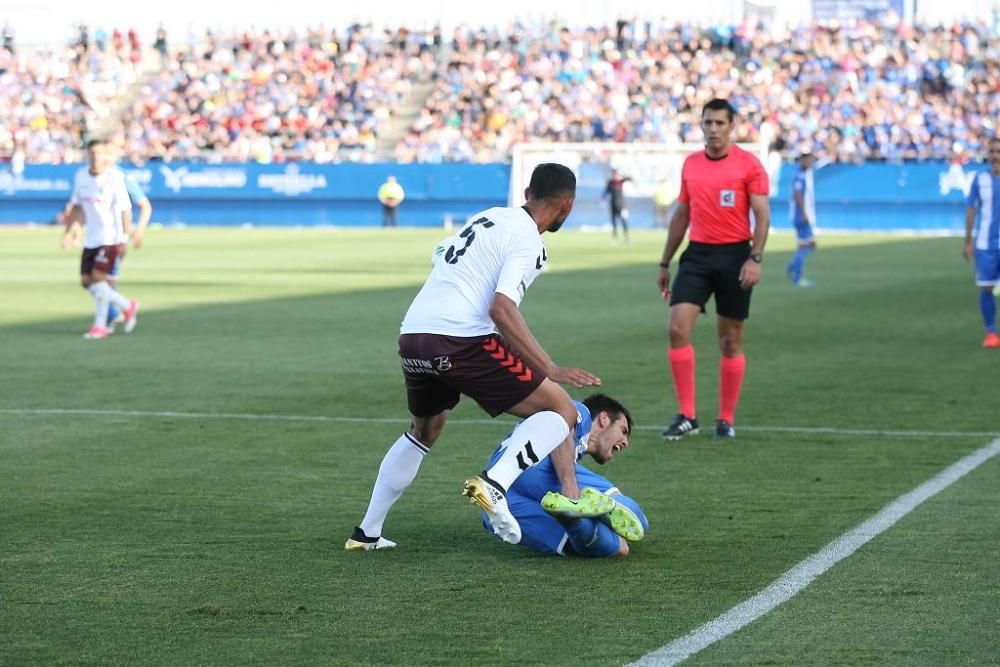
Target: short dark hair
[[597, 403], [550, 180], [719, 104], [97, 141]]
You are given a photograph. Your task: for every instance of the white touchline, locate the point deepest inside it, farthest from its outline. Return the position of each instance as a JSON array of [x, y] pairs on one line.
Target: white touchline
[[167, 414], [789, 584]]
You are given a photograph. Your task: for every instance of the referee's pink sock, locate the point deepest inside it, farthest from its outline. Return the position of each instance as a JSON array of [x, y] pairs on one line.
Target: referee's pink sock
[[731, 371], [682, 370]]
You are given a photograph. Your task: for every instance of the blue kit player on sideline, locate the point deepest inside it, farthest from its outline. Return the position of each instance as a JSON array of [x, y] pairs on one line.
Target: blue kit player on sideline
[[141, 202], [549, 523], [802, 208], [984, 199]]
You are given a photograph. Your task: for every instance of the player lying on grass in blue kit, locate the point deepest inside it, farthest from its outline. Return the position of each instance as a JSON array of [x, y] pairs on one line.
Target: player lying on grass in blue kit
[[548, 521]]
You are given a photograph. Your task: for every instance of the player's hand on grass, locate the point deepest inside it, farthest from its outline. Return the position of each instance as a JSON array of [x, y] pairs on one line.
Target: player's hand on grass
[[574, 376], [749, 274], [137, 240], [967, 251]]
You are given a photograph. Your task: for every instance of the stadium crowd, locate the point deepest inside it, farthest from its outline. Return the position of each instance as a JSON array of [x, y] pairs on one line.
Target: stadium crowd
[[851, 92], [51, 98], [864, 91], [269, 97]]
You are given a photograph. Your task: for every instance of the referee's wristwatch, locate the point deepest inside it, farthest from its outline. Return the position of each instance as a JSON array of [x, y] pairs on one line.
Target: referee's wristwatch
[[757, 257]]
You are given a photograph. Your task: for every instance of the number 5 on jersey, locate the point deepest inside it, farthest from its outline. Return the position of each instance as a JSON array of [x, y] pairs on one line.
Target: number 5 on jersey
[[469, 234]]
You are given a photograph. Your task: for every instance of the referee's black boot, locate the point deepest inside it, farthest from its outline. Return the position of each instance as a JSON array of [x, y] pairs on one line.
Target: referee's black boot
[[680, 427], [724, 429]]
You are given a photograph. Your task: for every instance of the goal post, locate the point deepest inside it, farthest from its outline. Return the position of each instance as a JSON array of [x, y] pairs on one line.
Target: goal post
[[648, 166]]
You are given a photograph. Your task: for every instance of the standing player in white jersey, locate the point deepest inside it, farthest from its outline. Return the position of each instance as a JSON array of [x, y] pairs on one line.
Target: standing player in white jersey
[[138, 199], [100, 199], [984, 200], [449, 346]]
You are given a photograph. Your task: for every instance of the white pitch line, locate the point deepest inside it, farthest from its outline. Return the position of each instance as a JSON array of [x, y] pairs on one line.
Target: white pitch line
[[792, 582], [399, 420]]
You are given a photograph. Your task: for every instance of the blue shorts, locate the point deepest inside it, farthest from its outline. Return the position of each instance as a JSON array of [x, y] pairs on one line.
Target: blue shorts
[[804, 233], [987, 267], [541, 532]]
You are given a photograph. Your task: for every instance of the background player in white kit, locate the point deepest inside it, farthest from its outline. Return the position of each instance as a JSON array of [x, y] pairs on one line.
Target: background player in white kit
[[73, 223], [100, 199], [449, 346]]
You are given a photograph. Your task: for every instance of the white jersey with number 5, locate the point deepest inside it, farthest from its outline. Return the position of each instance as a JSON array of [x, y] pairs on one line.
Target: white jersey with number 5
[[499, 250]]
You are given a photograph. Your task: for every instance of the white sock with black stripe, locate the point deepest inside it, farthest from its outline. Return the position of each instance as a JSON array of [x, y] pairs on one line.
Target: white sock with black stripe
[[398, 470], [531, 441]]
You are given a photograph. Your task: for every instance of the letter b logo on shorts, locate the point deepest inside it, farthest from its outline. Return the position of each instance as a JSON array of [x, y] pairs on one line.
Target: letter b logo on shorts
[[727, 198]]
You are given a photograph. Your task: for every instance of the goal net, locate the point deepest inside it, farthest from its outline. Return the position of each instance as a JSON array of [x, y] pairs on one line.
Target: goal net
[[649, 167]]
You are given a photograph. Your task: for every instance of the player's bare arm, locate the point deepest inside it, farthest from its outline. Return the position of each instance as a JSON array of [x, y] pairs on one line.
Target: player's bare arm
[[751, 271], [127, 221], [970, 223], [72, 220], [127, 229], [679, 223], [511, 325], [145, 213], [564, 463]]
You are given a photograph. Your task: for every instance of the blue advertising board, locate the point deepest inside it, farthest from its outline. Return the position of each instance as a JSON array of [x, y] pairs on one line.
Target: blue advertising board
[[273, 194], [919, 196], [876, 196]]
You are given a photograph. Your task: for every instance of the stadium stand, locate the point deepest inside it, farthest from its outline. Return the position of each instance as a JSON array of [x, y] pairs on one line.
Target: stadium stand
[[52, 98], [854, 92]]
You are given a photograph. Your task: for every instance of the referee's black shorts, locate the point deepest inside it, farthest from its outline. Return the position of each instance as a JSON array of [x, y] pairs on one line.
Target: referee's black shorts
[[707, 269]]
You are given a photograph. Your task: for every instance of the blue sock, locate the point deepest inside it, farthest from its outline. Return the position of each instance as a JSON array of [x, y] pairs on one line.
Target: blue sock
[[988, 307], [802, 253], [112, 312], [590, 537], [795, 267]]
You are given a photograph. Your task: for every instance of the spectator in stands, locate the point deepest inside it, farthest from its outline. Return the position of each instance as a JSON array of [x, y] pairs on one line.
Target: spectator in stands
[[160, 45], [7, 38]]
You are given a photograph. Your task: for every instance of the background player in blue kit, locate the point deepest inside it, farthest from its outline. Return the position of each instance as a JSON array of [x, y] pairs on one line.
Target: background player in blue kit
[[548, 523], [984, 200], [141, 202], [802, 207]]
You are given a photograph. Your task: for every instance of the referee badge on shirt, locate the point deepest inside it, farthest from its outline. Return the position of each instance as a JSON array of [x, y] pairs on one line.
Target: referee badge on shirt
[[727, 198]]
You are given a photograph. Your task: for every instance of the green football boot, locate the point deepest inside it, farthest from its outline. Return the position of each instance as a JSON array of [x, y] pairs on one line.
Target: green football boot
[[591, 503]]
